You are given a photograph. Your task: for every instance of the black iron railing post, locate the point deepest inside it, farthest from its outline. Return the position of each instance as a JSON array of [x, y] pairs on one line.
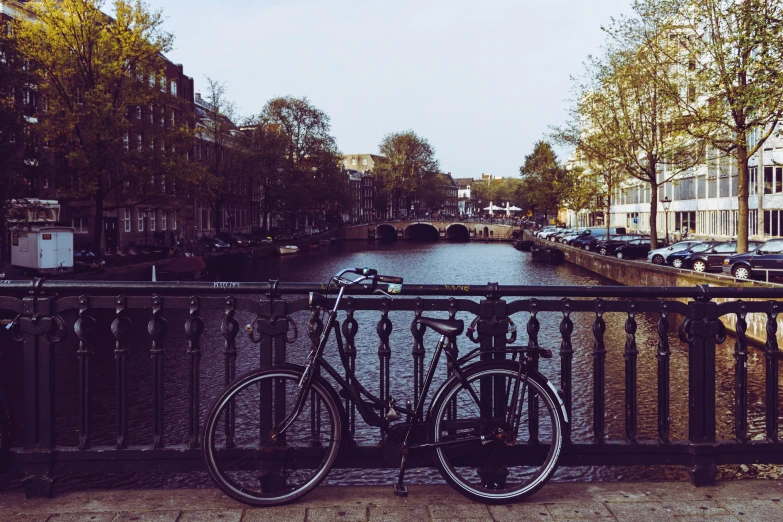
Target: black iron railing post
[[35, 325], [599, 373], [84, 328], [771, 356], [703, 329], [194, 327], [663, 356], [272, 328], [492, 328], [566, 364], [120, 329]]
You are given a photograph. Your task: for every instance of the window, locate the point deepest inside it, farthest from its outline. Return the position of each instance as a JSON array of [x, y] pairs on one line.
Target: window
[[162, 120], [127, 220], [769, 173], [152, 79], [140, 220], [173, 87], [151, 219], [753, 175], [139, 143], [152, 114], [364, 162], [353, 161], [26, 98], [125, 141], [163, 217], [81, 225], [138, 112], [173, 118], [174, 220], [163, 83]]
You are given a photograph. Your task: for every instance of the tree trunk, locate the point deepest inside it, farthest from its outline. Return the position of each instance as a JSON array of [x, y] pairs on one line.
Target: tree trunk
[[742, 194], [654, 215], [608, 213]]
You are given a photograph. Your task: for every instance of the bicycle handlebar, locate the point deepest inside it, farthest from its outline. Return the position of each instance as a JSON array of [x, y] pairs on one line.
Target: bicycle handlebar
[[371, 274]]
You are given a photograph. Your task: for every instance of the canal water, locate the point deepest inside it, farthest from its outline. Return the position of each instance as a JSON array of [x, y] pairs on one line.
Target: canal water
[[417, 262]]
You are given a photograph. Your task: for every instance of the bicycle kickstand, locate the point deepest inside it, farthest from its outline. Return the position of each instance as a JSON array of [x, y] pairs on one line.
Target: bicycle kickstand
[[400, 489]]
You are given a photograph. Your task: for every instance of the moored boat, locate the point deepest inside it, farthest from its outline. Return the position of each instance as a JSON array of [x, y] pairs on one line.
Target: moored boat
[[288, 249]]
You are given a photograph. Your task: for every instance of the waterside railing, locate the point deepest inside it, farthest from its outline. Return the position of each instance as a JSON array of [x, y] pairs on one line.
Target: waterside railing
[[162, 322]]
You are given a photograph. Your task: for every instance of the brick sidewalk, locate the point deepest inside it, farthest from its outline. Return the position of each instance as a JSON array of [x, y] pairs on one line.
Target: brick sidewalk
[[624, 501]]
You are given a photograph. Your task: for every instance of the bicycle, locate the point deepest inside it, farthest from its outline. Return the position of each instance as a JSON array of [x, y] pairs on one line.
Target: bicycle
[[273, 434]]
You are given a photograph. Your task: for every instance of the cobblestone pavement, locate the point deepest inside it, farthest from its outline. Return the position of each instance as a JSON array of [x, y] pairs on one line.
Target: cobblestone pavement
[[644, 501]]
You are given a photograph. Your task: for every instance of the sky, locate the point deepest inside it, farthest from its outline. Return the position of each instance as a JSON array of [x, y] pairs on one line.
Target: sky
[[481, 80]]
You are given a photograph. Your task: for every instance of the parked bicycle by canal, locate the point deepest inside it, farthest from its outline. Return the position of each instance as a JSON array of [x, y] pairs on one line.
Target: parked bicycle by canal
[[494, 427]]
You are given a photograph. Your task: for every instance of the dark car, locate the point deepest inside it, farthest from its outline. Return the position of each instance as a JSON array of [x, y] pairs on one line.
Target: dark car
[[711, 260], [588, 240], [766, 261], [633, 248], [213, 244], [232, 239], [84, 259], [609, 246], [682, 258]]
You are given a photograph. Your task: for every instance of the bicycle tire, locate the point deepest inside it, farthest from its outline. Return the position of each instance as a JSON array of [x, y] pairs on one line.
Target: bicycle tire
[[495, 472], [245, 463]]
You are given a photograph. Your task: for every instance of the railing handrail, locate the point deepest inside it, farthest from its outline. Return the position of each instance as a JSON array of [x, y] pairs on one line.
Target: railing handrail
[[699, 292]]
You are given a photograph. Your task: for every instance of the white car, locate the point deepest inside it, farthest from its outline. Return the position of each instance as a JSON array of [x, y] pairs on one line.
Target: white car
[[658, 256]]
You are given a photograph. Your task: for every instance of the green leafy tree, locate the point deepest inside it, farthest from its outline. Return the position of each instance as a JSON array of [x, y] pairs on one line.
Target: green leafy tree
[[544, 180], [408, 172], [95, 73], [313, 174], [582, 189], [726, 58]]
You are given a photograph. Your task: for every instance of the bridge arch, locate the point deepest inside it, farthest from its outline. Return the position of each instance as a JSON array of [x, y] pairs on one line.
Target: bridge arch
[[458, 232], [385, 231], [422, 232]]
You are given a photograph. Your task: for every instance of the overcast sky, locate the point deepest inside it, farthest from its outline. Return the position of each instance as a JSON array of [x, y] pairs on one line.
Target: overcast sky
[[482, 80]]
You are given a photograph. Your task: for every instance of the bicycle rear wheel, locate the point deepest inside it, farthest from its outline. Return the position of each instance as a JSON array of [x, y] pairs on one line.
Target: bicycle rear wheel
[[253, 467], [496, 471]]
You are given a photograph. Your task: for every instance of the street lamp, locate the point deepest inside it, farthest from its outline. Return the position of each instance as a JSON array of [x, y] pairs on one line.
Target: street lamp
[[666, 202]]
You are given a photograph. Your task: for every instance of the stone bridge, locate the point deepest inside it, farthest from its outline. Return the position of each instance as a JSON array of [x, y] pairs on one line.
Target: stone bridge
[[430, 230]]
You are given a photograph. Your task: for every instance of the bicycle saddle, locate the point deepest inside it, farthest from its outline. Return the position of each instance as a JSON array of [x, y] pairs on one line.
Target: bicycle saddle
[[447, 327]]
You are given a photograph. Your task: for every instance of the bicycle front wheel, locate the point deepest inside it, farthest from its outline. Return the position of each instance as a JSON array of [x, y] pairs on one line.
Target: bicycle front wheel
[[252, 465], [505, 466]]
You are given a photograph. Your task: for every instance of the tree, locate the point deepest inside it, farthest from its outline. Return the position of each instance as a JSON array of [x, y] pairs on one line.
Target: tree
[[625, 118], [543, 180], [407, 173], [583, 190], [95, 73], [225, 157], [727, 77], [313, 174], [266, 163]]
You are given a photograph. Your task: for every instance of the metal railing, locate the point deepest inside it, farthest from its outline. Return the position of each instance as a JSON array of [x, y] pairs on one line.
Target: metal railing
[[80, 321]]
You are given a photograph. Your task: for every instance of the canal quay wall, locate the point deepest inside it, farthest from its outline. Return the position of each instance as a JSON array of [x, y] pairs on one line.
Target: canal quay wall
[[634, 273]]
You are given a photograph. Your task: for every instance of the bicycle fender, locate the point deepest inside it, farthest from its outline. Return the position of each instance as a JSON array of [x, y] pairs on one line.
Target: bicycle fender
[[511, 365]]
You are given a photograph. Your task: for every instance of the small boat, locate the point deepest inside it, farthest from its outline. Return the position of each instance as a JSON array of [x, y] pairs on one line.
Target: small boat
[[547, 255], [523, 244], [288, 249]]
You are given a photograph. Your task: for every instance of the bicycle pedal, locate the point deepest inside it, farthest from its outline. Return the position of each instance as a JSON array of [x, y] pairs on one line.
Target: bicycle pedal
[[400, 491]]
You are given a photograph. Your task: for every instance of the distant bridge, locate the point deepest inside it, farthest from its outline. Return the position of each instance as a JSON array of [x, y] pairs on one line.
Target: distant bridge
[[432, 230]]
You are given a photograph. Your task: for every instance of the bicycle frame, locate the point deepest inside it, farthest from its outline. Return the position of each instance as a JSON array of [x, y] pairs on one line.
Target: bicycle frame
[[354, 389]]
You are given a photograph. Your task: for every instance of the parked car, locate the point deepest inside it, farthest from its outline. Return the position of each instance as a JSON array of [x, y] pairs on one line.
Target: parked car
[[213, 244], [588, 240], [711, 260], [543, 230], [608, 247], [568, 239], [766, 261], [84, 259], [232, 239], [658, 256], [633, 248], [681, 259]]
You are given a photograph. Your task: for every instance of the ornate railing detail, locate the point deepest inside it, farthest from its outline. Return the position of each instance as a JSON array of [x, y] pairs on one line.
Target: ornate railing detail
[[89, 322]]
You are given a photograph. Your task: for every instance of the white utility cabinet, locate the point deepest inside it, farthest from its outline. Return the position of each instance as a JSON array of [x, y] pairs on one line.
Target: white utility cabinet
[[43, 249]]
